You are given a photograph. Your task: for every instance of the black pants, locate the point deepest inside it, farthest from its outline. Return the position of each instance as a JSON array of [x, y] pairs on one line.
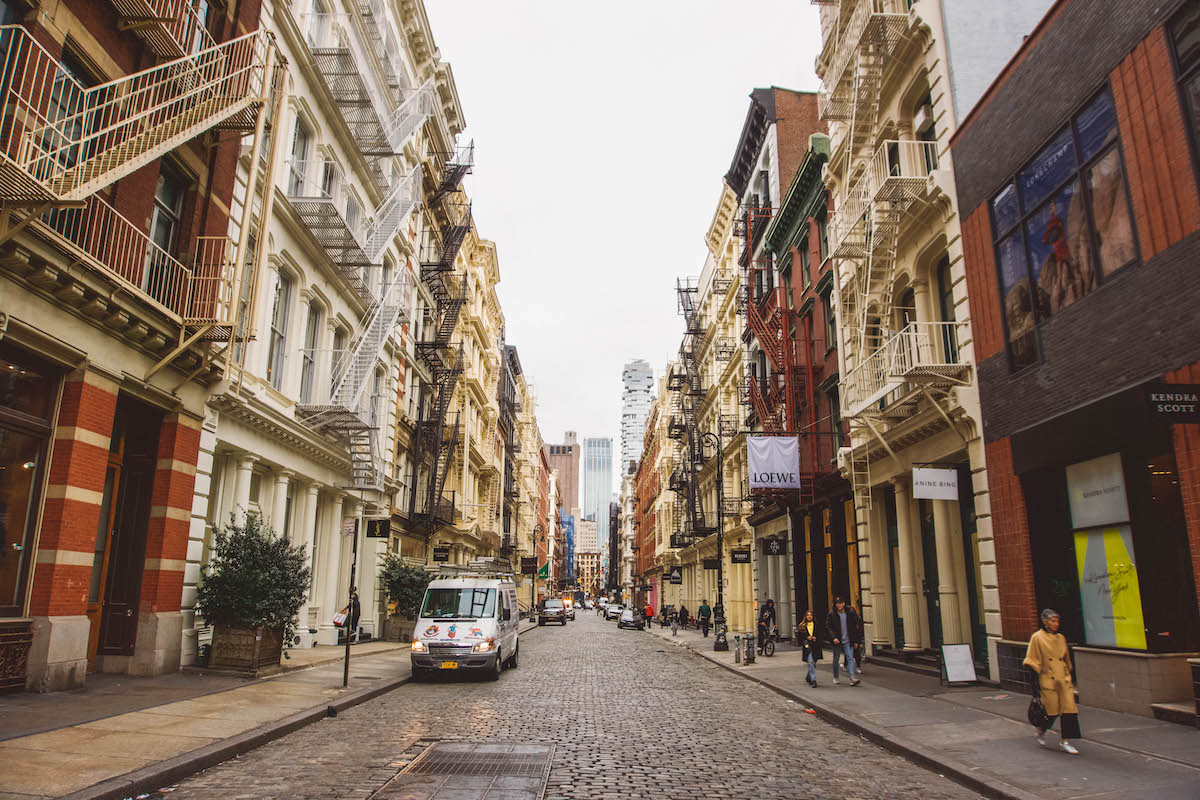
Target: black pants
[[1070, 726], [704, 625]]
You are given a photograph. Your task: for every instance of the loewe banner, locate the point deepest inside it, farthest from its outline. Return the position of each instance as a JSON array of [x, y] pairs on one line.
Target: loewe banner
[[774, 462]]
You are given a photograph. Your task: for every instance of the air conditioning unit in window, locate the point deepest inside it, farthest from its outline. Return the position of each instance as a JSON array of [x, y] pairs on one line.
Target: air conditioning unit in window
[[923, 119]]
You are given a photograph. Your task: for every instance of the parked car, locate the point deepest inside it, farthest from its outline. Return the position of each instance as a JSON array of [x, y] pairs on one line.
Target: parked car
[[628, 619], [552, 611], [613, 611], [468, 624], [570, 608]]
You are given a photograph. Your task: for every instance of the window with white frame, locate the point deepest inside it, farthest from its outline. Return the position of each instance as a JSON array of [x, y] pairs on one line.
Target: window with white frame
[[308, 365], [276, 349]]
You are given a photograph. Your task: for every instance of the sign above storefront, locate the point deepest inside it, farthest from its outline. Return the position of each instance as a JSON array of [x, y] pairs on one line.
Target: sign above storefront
[[1174, 402], [379, 528], [774, 547], [740, 556], [710, 563], [935, 484], [529, 565], [774, 462], [677, 575], [441, 554]]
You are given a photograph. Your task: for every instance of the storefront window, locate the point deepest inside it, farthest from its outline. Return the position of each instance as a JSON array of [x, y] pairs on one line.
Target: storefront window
[[28, 389], [1062, 225]]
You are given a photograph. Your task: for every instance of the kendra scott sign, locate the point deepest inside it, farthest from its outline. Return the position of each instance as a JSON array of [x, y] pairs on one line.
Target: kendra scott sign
[[774, 462]]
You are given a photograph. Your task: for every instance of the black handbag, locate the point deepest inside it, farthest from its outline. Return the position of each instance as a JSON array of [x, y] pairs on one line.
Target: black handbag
[[1037, 715]]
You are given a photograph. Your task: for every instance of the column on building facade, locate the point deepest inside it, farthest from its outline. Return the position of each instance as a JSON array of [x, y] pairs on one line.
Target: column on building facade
[[329, 571], [880, 612], [241, 487], [279, 502], [304, 536], [948, 569], [910, 609]]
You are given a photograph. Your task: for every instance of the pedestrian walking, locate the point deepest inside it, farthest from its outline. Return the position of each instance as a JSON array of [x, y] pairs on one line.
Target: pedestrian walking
[[684, 615], [353, 611], [662, 618], [648, 611], [1049, 663], [810, 639], [844, 629], [705, 615]]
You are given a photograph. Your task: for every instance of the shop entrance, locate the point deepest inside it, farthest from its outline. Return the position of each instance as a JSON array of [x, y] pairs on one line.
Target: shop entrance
[[121, 539], [929, 586]]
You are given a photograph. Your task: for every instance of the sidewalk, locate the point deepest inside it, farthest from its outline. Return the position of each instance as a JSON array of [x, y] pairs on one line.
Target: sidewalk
[[123, 735], [979, 736]]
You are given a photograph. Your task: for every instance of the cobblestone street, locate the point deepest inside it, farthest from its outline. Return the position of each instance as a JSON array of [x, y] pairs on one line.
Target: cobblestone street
[[629, 717]]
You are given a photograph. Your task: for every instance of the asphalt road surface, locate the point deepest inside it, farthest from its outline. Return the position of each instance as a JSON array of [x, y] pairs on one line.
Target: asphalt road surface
[[629, 715]]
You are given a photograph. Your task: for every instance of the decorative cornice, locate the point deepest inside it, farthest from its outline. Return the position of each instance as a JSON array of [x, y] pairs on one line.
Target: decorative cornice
[[289, 432]]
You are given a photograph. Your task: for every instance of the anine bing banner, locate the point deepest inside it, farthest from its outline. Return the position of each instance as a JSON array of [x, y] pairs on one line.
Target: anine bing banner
[[774, 462], [935, 484]]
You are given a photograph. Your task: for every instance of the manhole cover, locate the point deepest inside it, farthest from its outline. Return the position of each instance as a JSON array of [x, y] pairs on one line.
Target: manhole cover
[[491, 771], [464, 758]]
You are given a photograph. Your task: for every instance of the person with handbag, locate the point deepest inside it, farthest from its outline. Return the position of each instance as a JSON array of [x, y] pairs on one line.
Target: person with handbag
[[810, 638], [1049, 663]]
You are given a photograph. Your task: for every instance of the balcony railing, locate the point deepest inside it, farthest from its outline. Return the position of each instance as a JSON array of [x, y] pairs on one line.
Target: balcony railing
[[875, 25], [171, 28], [922, 354], [62, 141]]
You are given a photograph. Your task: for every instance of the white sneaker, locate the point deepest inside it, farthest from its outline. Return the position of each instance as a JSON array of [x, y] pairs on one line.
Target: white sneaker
[[1067, 747], [836, 681], [1041, 738]]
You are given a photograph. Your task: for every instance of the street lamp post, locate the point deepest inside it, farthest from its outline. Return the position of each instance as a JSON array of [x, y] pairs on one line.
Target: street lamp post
[[538, 533], [720, 642]]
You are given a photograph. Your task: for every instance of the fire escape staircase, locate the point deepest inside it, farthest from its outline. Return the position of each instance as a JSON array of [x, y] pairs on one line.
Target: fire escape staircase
[[454, 168], [169, 28], [63, 141]]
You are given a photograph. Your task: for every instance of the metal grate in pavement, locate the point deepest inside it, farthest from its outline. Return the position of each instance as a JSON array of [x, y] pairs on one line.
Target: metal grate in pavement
[[465, 758]]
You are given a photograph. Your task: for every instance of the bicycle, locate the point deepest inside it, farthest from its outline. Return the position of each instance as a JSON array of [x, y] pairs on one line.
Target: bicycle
[[766, 640]]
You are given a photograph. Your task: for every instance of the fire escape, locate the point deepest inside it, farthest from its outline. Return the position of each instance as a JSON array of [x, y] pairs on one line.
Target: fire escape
[[692, 523], [784, 380], [381, 121], [436, 440], [62, 142], [887, 369]]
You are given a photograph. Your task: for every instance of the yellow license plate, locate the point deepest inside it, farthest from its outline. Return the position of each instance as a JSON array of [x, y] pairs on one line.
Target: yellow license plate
[[449, 665]]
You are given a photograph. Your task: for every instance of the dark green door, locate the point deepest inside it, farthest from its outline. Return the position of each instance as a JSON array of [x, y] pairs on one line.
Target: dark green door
[[933, 601], [966, 507]]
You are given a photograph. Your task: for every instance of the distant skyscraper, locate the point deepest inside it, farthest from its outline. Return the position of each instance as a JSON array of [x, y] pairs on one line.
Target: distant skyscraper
[[638, 378], [597, 480], [565, 458]]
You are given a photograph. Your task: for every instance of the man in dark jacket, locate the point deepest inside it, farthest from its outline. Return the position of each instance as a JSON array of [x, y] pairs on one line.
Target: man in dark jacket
[[705, 613], [844, 629], [767, 620]]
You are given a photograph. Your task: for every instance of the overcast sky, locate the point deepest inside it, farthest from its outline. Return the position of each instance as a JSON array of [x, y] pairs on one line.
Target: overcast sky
[[602, 132]]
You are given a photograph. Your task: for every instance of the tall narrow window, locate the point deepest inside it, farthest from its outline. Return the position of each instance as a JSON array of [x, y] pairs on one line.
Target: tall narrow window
[[831, 340], [339, 352], [299, 164], [160, 279], [279, 321], [308, 367], [946, 311]]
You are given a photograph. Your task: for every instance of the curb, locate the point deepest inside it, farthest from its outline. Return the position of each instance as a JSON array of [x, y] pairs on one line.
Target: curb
[[960, 773], [175, 769]]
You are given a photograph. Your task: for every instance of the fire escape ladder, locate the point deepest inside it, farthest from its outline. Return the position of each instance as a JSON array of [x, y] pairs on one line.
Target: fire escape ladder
[[456, 167], [434, 443], [61, 141], [378, 323], [366, 465]]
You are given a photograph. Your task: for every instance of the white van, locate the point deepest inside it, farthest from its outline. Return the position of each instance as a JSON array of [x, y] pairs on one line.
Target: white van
[[466, 622]]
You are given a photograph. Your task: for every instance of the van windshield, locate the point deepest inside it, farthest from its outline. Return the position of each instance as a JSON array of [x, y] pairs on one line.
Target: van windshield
[[465, 603]]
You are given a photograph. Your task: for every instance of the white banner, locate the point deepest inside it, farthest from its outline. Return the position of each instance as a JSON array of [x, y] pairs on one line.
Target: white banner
[[774, 462], [935, 484], [1096, 492]]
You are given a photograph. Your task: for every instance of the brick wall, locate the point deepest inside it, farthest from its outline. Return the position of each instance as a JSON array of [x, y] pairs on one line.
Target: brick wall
[[1187, 461], [796, 120], [71, 514], [1165, 200], [170, 513], [1010, 532], [983, 288]]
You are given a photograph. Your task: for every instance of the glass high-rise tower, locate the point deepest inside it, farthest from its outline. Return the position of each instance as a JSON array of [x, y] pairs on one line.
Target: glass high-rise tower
[[597, 479], [638, 380]]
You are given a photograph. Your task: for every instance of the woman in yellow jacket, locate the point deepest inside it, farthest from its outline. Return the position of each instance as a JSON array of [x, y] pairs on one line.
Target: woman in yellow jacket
[[1050, 662]]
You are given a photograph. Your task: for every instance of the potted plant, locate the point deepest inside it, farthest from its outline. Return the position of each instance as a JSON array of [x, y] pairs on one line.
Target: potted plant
[[250, 592], [405, 586]]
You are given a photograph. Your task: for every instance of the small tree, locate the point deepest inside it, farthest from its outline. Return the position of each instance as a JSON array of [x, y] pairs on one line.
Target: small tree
[[404, 583], [253, 579]]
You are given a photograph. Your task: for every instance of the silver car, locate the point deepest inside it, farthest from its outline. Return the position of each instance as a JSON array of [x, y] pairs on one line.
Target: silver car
[[613, 611]]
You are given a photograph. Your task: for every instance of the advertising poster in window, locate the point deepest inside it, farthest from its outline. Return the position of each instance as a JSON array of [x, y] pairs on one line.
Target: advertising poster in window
[[1107, 567], [1108, 587]]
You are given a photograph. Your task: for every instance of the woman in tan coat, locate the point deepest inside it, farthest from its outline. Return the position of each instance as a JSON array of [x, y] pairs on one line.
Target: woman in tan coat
[[1050, 662]]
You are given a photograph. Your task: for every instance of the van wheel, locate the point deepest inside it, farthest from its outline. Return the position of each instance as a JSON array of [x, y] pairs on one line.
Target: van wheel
[[494, 675], [512, 662]]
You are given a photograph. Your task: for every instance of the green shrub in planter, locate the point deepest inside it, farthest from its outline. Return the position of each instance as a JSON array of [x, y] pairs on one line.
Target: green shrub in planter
[[254, 580], [404, 583]]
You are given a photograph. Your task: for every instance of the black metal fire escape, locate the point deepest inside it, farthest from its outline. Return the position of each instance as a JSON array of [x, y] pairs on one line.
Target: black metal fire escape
[[437, 441]]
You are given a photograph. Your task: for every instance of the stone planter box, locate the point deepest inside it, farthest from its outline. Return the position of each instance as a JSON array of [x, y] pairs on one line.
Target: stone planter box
[[399, 629], [248, 650]]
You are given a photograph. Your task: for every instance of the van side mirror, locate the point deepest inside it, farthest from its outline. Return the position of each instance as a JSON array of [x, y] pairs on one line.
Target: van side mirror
[[507, 614]]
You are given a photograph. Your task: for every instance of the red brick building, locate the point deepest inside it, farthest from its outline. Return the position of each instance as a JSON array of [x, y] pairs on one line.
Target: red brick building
[[1077, 180], [117, 276]]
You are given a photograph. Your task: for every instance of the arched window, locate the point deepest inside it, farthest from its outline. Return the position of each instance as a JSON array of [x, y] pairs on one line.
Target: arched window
[[279, 325], [946, 310], [308, 367]]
